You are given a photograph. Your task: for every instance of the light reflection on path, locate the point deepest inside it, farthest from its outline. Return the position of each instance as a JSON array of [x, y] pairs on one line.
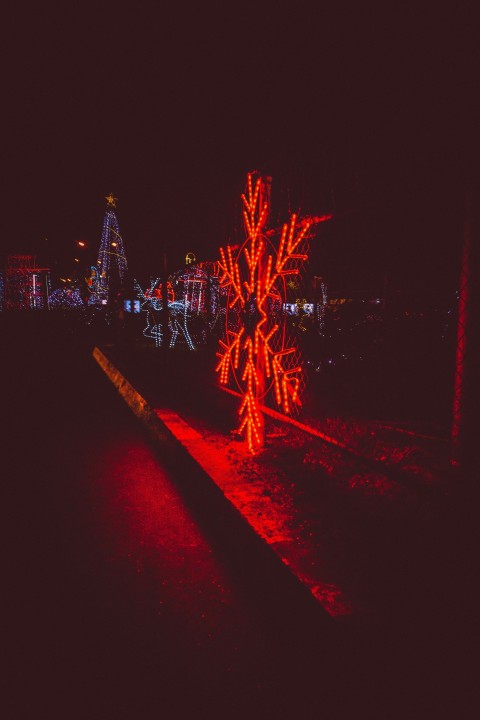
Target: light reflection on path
[[150, 534]]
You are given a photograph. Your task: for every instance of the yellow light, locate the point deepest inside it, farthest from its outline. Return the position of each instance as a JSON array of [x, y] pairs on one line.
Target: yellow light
[[80, 243], [114, 244]]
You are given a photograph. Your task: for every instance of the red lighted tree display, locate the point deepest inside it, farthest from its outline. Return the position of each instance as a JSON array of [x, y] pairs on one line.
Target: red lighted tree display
[[256, 353]]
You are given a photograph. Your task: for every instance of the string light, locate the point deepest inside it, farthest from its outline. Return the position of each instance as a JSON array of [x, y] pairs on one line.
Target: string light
[[25, 286], [255, 283], [65, 299], [111, 258], [187, 299]]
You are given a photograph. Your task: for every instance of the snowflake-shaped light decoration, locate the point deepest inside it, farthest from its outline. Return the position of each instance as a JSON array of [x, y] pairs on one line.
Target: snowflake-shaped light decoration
[[256, 353]]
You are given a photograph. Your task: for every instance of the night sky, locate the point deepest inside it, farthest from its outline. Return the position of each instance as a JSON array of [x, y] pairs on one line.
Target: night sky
[[370, 115]]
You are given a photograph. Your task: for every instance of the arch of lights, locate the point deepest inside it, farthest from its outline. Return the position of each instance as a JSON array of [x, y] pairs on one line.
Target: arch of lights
[[257, 355]]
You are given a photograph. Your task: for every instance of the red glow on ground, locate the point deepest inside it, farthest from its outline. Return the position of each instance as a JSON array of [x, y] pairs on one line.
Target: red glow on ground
[[373, 483], [147, 530], [272, 515]]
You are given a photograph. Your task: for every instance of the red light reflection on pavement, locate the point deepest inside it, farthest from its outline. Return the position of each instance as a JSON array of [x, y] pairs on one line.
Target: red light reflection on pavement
[[266, 504], [148, 531]]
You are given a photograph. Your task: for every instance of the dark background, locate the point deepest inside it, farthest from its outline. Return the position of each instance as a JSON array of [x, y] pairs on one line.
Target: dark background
[[370, 114]]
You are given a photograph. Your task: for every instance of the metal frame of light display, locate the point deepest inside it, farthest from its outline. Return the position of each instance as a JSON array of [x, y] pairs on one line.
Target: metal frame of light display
[[257, 355]]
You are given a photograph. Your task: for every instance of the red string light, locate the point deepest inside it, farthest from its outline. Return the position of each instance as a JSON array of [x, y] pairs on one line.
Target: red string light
[[256, 276]]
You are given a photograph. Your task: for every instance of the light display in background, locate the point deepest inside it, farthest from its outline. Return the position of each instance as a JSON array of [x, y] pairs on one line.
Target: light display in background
[[307, 315], [26, 286], [96, 284], [132, 306], [193, 307], [111, 266], [198, 290], [66, 299], [258, 356], [321, 303], [151, 303], [301, 305]]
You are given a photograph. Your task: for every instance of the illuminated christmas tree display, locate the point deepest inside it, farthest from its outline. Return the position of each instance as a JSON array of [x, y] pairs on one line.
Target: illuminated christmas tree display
[[258, 356], [109, 272]]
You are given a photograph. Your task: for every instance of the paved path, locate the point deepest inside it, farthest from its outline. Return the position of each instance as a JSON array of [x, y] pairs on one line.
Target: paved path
[[124, 599], [401, 547], [121, 601]]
